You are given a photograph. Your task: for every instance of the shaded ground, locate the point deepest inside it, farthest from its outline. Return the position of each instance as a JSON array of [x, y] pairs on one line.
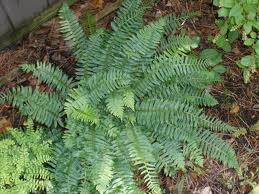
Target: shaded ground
[[236, 100]]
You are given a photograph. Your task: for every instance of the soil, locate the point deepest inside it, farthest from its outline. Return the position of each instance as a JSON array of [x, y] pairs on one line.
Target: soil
[[237, 101]]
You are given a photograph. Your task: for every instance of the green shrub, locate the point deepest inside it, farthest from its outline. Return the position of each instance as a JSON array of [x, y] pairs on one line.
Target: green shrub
[[22, 158], [134, 105], [239, 16]]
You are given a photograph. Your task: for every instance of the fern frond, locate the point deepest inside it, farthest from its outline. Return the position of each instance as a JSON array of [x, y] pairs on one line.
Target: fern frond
[[115, 105], [72, 31], [176, 45], [140, 152], [93, 56], [174, 132], [142, 46], [186, 94], [170, 157], [165, 68], [199, 80], [128, 12], [50, 75], [214, 124], [102, 84], [79, 108], [193, 152], [46, 108], [152, 112], [128, 6], [155, 111], [173, 22], [123, 32], [103, 172], [216, 148], [123, 181], [66, 169], [128, 99]]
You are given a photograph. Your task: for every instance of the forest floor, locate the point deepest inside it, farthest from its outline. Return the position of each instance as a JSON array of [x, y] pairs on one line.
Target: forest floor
[[237, 101]]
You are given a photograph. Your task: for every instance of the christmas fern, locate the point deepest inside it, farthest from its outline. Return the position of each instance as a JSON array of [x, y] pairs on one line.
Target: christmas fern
[[134, 105]]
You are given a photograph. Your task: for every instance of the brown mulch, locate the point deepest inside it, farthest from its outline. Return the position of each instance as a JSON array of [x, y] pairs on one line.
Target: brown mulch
[[236, 100]]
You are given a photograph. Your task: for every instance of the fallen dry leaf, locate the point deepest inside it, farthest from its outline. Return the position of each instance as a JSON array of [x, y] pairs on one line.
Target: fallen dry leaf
[[234, 108], [4, 124], [96, 3]]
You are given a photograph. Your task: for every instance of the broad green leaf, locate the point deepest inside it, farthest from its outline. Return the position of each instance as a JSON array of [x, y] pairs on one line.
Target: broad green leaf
[[247, 61], [256, 47], [239, 18], [223, 43], [220, 69], [224, 27], [212, 55], [253, 35], [226, 3], [216, 2], [232, 36], [250, 8], [252, 1], [236, 11], [195, 41], [251, 15], [249, 42], [247, 27], [256, 25], [223, 12]]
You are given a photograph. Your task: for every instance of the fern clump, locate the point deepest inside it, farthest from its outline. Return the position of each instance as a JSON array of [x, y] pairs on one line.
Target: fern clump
[[134, 105], [22, 159]]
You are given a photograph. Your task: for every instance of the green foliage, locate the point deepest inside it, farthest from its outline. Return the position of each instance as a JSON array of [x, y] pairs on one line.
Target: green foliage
[[23, 155], [239, 16], [212, 55], [50, 75], [135, 106], [45, 108], [88, 23]]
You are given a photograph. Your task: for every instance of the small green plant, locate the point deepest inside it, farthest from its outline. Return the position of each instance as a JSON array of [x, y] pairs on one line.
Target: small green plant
[[240, 17], [22, 158], [134, 105]]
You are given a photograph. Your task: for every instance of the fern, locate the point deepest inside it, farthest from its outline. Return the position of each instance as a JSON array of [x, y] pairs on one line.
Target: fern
[[23, 155], [50, 75], [45, 108], [74, 33], [135, 105]]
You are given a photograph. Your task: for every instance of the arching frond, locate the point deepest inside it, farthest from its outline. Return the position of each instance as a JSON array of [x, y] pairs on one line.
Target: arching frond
[[51, 75], [72, 31], [177, 45], [165, 68], [140, 152], [217, 148], [45, 108]]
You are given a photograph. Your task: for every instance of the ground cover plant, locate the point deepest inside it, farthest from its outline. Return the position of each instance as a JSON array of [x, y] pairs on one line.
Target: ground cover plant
[[133, 106], [240, 19], [23, 155]]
